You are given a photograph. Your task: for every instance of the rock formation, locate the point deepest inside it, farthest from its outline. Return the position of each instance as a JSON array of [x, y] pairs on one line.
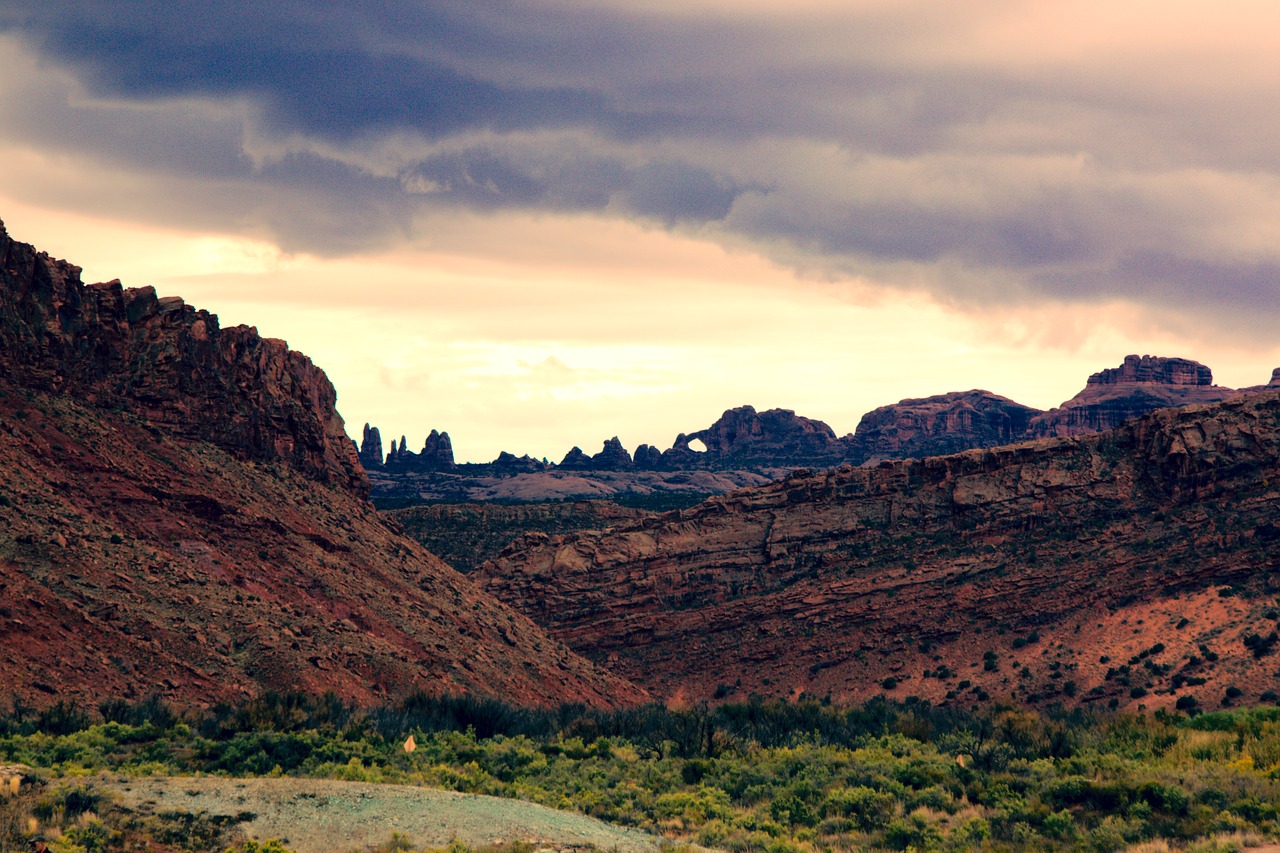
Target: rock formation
[[935, 426], [437, 452], [181, 513], [169, 364], [744, 443], [436, 455], [647, 458], [777, 437], [1139, 385], [1004, 572], [613, 457], [371, 449]]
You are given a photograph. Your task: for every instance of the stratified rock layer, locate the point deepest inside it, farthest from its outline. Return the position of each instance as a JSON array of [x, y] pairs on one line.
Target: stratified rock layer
[[467, 534], [1139, 385], [936, 426], [832, 583], [776, 437], [168, 363], [180, 514]]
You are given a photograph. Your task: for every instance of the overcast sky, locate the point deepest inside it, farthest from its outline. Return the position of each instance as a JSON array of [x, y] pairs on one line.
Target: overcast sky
[[536, 225]]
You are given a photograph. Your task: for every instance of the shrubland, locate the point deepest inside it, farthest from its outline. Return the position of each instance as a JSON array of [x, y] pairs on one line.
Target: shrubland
[[759, 775]]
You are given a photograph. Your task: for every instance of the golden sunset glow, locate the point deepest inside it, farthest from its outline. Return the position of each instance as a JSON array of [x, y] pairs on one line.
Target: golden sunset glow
[[825, 207]]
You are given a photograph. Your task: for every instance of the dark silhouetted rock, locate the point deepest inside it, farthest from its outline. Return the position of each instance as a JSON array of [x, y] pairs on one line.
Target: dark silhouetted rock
[[614, 457], [400, 456], [680, 456], [509, 463], [648, 458], [437, 453], [371, 448], [575, 460]]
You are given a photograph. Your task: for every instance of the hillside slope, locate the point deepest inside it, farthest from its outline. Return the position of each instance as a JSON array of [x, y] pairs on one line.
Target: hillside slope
[[182, 513], [1009, 572]]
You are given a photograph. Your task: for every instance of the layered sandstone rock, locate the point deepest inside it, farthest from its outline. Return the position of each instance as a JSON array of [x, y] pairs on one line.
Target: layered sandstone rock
[[775, 437], [1139, 385], [371, 449], [467, 534], [936, 426], [832, 583], [181, 514], [170, 364]]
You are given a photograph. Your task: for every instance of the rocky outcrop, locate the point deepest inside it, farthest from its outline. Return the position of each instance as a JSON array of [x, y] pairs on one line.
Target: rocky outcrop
[[647, 458], [1139, 385], [613, 457], [436, 455], [936, 426], [776, 437], [169, 364], [575, 460], [437, 452], [371, 449], [509, 464], [143, 550], [832, 584]]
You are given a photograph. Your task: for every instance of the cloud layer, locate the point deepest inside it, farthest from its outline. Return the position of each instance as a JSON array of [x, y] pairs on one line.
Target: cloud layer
[[988, 153]]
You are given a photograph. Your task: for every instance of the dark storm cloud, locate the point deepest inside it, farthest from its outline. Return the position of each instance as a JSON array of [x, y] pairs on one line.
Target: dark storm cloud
[[851, 141]]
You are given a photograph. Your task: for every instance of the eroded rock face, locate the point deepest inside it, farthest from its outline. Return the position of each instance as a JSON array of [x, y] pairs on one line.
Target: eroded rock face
[[178, 515], [170, 364], [936, 426], [1139, 385], [773, 437], [371, 448], [829, 583], [613, 457], [648, 457]]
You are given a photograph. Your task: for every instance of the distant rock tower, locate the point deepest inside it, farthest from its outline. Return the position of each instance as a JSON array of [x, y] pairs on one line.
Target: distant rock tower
[[371, 448]]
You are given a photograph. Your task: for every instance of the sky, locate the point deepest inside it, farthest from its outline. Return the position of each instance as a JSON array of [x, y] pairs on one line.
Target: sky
[[540, 225]]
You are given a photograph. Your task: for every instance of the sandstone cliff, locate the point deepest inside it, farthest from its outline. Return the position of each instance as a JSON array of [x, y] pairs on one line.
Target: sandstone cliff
[[1139, 385], [1003, 572], [777, 437], [180, 513], [170, 364], [936, 426]]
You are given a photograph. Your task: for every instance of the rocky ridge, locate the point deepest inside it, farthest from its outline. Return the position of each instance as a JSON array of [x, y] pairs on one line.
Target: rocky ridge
[[743, 443], [168, 363], [149, 546], [1013, 572]]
